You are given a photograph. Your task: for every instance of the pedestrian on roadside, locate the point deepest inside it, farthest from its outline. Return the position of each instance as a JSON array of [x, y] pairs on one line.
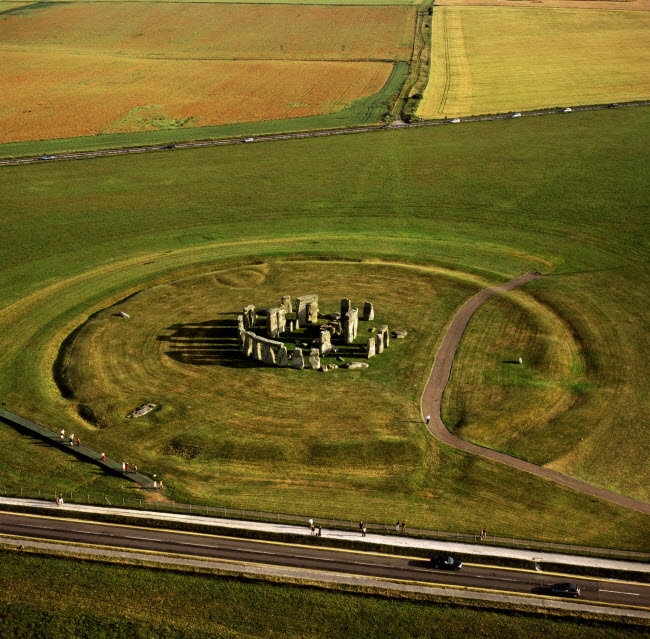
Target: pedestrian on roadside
[[127, 468], [123, 467], [320, 530], [103, 456], [60, 499], [160, 485], [62, 433], [483, 533], [78, 442], [155, 484], [397, 526], [403, 526], [360, 525], [61, 436], [311, 523], [363, 531], [135, 470], [311, 529], [71, 439], [428, 418]]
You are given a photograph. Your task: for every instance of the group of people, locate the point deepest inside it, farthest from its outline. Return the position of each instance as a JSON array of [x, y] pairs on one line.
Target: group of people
[[126, 467], [482, 535], [71, 438], [59, 500], [401, 526], [312, 528]]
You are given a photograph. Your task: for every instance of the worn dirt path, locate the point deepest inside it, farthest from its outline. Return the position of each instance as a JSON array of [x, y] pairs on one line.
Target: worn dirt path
[[431, 400]]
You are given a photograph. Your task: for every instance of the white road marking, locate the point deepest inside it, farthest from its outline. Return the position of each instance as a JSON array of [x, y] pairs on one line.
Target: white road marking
[[620, 592]]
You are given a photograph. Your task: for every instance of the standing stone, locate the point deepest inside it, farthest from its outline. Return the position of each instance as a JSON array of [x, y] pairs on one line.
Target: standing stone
[[350, 325], [249, 339], [371, 348], [286, 304], [296, 326], [268, 356], [257, 349], [249, 317], [240, 334], [368, 312], [380, 343], [314, 359], [383, 329], [345, 306], [303, 314], [325, 345], [297, 360], [291, 327], [240, 323], [276, 322], [283, 356]]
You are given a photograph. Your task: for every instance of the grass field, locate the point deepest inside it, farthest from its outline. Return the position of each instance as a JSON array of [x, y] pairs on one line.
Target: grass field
[[142, 601], [617, 5], [540, 59], [238, 64], [487, 201]]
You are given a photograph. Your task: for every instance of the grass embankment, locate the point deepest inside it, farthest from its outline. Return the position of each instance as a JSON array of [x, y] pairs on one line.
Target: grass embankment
[[540, 59], [264, 63], [95, 599], [619, 5], [494, 199]]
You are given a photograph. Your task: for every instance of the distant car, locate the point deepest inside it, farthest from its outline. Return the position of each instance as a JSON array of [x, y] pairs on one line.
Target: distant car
[[47, 157], [613, 105], [567, 110], [455, 121], [516, 115], [170, 146], [566, 590], [249, 140], [444, 562]]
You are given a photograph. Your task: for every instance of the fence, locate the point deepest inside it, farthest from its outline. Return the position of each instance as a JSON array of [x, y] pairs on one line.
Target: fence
[[224, 512]]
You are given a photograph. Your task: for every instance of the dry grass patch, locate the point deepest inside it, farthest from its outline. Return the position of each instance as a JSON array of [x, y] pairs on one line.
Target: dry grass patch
[[68, 95], [536, 59], [620, 5]]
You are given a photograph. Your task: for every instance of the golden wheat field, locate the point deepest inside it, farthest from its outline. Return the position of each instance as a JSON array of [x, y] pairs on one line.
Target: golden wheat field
[[212, 31], [618, 5], [496, 60], [70, 95]]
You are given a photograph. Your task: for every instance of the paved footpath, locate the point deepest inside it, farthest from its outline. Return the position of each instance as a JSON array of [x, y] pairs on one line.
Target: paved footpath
[[432, 398], [370, 539]]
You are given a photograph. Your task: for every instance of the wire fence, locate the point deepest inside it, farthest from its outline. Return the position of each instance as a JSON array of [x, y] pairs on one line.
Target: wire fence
[[225, 512]]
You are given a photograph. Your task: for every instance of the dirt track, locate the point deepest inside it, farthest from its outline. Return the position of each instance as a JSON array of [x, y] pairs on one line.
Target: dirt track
[[432, 396]]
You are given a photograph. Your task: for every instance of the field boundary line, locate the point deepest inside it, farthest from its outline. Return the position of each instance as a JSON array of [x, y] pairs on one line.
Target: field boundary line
[[435, 388]]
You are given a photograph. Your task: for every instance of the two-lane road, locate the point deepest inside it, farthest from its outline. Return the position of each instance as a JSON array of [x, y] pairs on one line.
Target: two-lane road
[[314, 559]]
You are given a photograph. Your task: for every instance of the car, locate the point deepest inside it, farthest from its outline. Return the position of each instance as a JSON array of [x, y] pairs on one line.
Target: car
[[170, 146], [613, 105], [516, 115], [249, 140], [455, 121], [566, 590], [445, 562], [567, 110], [47, 157]]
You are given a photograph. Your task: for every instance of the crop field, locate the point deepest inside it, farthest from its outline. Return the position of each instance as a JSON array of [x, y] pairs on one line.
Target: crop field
[[539, 59], [70, 76], [79, 97], [206, 230], [616, 5]]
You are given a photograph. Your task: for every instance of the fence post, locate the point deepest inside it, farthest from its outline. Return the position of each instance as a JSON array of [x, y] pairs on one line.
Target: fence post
[[21, 491], [190, 507]]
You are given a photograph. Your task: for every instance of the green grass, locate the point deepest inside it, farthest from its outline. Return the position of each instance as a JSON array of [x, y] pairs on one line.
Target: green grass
[[50, 596], [491, 200], [370, 110]]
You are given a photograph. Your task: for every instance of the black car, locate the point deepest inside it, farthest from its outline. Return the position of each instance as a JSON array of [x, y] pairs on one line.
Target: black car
[[566, 590], [613, 105], [170, 146], [444, 562]]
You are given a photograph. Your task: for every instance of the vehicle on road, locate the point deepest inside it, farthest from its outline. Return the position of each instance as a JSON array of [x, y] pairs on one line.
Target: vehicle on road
[[566, 590], [455, 121], [249, 140], [516, 115], [613, 105], [47, 157], [170, 146], [445, 562], [567, 110]]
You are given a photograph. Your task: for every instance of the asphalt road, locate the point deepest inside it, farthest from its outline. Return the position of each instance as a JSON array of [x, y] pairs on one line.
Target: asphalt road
[[315, 559], [293, 136]]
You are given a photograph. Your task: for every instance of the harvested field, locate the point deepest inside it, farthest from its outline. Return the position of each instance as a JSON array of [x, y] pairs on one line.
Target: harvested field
[[80, 98], [621, 5], [206, 31], [539, 59]]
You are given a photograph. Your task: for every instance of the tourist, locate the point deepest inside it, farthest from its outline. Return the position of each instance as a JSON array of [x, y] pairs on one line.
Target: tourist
[[403, 526], [320, 531], [363, 531], [123, 467], [59, 501], [103, 456], [161, 485], [155, 484], [428, 418], [135, 470], [127, 468], [71, 439], [397, 526], [78, 442], [311, 523]]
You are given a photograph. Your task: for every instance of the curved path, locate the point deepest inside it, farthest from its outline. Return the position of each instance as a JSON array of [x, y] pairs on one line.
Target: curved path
[[431, 400]]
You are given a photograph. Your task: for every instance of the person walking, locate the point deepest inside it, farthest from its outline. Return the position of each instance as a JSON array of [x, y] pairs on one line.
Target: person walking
[[135, 470], [403, 526], [397, 526], [161, 485], [320, 530], [311, 529], [363, 531], [60, 499], [62, 433], [62, 437], [360, 525], [71, 439], [483, 534], [78, 442], [311, 523], [428, 418], [155, 484], [123, 467], [127, 468], [103, 456]]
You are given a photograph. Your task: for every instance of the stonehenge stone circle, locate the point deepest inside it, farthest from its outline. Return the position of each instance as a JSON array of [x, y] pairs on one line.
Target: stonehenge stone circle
[[350, 325], [249, 317], [275, 321], [297, 360], [307, 309], [286, 304], [283, 356], [371, 348], [345, 306], [325, 342]]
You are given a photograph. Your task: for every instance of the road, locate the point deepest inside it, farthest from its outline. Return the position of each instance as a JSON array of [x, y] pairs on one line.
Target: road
[[293, 136], [315, 559]]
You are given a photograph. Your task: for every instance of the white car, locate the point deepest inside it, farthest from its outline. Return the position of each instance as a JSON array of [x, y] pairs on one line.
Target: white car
[[567, 110], [516, 115], [249, 140], [455, 121]]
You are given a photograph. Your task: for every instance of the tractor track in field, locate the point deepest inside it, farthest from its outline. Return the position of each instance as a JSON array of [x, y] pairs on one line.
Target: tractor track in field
[[432, 402], [80, 155]]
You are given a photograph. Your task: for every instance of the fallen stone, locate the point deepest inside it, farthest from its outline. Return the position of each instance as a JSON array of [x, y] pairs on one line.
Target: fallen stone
[[333, 366], [324, 369], [142, 410], [339, 358], [123, 314], [399, 334]]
